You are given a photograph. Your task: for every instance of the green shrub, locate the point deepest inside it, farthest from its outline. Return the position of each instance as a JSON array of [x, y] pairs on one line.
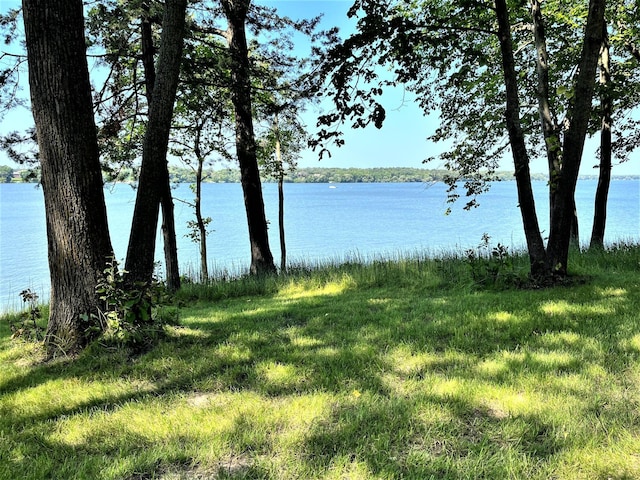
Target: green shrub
[[134, 314], [492, 265]]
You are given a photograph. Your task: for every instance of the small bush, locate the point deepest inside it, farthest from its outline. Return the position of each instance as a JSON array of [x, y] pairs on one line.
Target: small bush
[[491, 265], [134, 314]]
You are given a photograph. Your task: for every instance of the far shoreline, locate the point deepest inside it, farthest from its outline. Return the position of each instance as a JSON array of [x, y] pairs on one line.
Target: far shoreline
[[183, 174]]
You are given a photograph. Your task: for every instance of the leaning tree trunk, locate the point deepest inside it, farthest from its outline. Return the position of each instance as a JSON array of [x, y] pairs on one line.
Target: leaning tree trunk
[[76, 217], [604, 179], [166, 199], [535, 244], [562, 216], [153, 185], [261, 256]]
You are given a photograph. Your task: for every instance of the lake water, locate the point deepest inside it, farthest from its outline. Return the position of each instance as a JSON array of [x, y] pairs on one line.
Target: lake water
[[322, 221]]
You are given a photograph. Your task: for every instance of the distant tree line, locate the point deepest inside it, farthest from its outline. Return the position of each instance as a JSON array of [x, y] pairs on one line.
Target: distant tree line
[[179, 174], [377, 175], [352, 175], [347, 175]]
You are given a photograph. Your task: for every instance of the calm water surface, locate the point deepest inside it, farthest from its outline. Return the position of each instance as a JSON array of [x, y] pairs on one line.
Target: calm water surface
[[322, 221]]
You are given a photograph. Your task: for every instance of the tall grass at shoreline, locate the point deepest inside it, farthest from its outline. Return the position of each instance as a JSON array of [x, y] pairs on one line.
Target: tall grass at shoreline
[[411, 368], [446, 268]]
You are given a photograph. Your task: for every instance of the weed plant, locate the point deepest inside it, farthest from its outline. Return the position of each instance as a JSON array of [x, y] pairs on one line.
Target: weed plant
[[28, 324], [400, 369]]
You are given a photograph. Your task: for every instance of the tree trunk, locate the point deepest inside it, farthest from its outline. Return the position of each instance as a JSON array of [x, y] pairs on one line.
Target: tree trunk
[[166, 201], [261, 257], [202, 228], [76, 217], [550, 130], [169, 237], [535, 245], [148, 52], [153, 186], [283, 243], [280, 167], [574, 237], [604, 179], [562, 216]]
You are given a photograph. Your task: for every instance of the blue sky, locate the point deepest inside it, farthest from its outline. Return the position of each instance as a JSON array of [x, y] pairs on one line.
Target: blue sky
[[403, 139]]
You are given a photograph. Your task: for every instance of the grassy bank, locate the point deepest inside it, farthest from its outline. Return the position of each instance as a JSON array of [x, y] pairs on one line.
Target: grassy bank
[[407, 369]]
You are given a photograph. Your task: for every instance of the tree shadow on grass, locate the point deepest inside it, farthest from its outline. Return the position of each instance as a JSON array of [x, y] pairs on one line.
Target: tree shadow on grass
[[390, 439], [350, 345]]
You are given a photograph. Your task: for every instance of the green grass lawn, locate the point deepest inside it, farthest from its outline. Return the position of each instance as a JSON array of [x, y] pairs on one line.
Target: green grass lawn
[[406, 369]]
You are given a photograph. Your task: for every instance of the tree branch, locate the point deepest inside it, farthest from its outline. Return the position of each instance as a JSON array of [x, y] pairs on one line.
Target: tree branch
[[212, 31]]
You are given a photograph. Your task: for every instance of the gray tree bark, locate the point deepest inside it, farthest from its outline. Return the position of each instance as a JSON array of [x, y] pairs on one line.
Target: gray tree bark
[[261, 256], [551, 262], [77, 231], [604, 178], [564, 208], [166, 201], [153, 187], [535, 244]]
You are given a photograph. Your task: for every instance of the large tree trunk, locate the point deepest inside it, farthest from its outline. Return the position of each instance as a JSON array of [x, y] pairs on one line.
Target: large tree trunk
[[535, 244], [261, 257], [76, 217], [604, 179], [153, 186], [562, 216], [166, 201]]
